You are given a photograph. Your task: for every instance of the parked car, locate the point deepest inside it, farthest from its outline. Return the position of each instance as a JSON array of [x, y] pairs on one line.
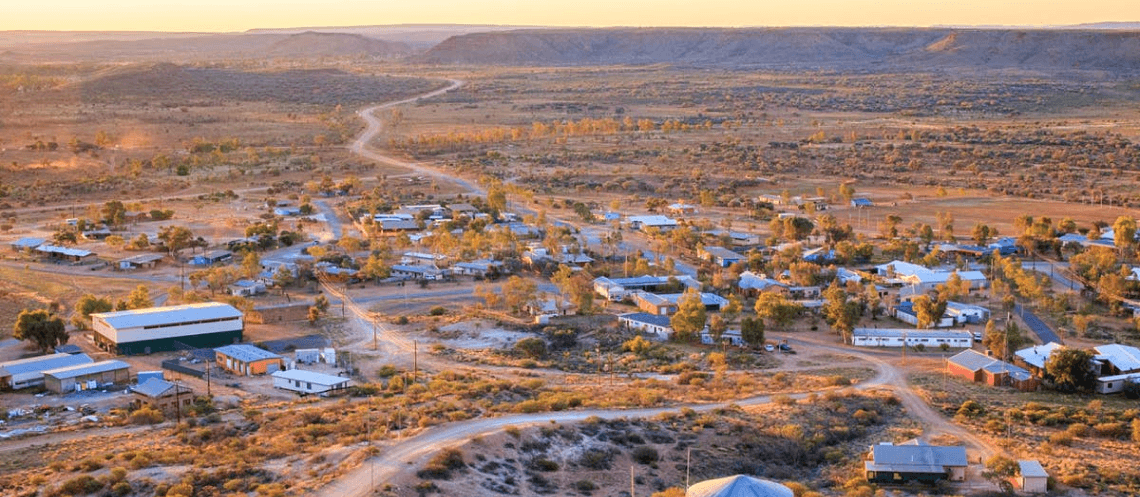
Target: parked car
[[769, 348], [786, 348], [977, 336]]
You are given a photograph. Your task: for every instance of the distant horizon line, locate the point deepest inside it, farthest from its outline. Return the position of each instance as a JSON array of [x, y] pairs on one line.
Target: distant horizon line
[[1106, 25]]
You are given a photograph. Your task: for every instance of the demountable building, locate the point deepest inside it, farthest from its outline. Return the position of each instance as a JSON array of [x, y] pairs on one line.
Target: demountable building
[[738, 486], [306, 382]]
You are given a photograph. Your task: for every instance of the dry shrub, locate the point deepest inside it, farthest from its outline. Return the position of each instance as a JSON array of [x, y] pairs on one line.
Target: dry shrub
[[1110, 430], [121, 488], [1078, 429], [1061, 438], [442, 464], [645, 455], [90, 464], [146, 415], [80, 485]]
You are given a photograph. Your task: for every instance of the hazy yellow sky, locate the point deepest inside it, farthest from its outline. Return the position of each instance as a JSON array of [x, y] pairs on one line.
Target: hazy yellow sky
[[239, 15]]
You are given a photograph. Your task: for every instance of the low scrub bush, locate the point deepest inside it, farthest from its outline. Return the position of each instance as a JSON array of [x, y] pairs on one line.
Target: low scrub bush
[[146, 416], [80, 485], [442, 464], [596, 459], [645, 455], [543, 464]]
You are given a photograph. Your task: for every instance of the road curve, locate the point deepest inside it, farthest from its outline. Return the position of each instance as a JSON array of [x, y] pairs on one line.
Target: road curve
[[375, 125], [404, 454]]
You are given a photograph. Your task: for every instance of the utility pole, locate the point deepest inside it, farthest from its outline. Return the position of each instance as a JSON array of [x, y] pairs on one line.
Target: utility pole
[[374, 344], [415, 360], [632, 489], [612, 369], [688, 458], [177, 403], [904, 347], [208, 392]]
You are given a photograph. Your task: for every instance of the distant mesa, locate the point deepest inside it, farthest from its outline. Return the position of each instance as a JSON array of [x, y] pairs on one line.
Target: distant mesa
[[845, 49], [311, 43]]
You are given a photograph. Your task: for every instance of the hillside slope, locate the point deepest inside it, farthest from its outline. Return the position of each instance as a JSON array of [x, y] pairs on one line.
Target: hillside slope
[[804, 48], [180, 48]]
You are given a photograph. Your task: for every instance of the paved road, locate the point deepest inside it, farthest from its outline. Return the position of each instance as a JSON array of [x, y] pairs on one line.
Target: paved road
[[1055, 270], [1037, 326], [331, 219]]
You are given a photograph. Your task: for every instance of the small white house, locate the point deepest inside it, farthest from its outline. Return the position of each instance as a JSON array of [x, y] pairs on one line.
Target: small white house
[[247, 288], [328, 356], [965, 313], [308, 382]]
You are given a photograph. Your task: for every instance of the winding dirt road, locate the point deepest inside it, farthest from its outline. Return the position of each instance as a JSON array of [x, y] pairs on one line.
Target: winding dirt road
[[375, 125]]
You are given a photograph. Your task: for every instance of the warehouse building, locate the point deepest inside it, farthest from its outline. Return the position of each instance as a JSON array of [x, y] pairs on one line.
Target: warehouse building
[[143, 331], [29, 372], [87, 376]]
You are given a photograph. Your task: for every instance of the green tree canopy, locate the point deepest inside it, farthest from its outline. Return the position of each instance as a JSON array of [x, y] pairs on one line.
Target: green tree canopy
[[690, 317], [1069, 370], [176, 238], [776, 308], [928, 311], [87, 305], [752, 331], [41, 328]]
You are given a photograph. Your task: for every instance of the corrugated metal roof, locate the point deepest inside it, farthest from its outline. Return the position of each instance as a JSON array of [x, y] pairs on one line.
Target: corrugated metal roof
[[310, 377], [722, 252], [246, 353], [972, 360], [645, 317], [70, 252], [142, 258], [908, 457], [44, 363], [1032, 469], [167, 315], [28, 242], [1124, 357], [706, 298], [898, 333], [86, 369], [738, 486], [156, 387], [1037, 354]]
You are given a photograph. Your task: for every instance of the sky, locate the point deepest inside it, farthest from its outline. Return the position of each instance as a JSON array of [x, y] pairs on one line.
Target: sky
[[240, 15]]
